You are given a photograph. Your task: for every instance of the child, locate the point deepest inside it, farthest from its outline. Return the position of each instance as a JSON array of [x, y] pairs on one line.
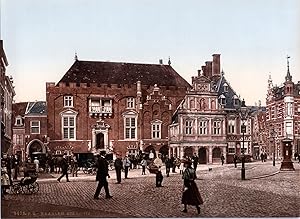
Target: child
[[181, 167], [159, 178]]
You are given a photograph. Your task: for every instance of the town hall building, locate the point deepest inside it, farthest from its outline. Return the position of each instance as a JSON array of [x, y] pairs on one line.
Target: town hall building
[[123, 108]]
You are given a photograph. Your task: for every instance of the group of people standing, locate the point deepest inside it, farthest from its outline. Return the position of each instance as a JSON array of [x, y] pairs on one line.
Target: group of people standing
[[10, 168]]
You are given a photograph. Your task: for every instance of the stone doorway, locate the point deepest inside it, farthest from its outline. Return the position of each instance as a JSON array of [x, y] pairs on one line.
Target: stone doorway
[[188, 152], [216, 155], [202, 155], [99, 141]]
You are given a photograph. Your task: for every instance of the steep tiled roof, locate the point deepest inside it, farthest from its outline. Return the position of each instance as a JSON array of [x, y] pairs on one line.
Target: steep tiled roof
[[123, 73], [230, 94], [38, 107]]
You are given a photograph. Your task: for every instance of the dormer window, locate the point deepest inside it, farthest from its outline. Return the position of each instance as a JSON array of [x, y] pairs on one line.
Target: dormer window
[[235, 100], [222, 100], [225, 86], [18, 121], [130, 103], [68, 101]]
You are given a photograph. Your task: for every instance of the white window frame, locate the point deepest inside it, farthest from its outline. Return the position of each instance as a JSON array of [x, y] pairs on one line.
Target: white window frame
[[35, 126], [203, 127], [216, 127], [68, 101], [188, 127], [18, 119], [156, 129], [68, 127], [66, 114], [231, 126], [130, 103], [129, 128], [19, 139]]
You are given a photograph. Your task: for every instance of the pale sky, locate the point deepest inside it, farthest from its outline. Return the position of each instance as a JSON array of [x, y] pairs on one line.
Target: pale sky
[[253, 37]]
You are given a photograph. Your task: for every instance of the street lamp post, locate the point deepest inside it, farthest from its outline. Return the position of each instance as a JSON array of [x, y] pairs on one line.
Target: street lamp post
[[273, 135], [243, 173], [243, 113]]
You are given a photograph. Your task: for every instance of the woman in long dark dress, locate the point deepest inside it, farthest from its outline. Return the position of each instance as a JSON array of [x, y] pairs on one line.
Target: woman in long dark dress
[[191, 194]]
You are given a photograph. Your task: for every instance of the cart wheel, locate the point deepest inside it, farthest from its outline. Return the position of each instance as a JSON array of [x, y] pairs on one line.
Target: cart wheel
[[35, 187], [16, 189], [28, 189]]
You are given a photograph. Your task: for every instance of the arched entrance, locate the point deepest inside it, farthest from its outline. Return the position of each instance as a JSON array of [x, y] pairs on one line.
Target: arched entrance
[[188, 152], [149, 149], [216, 155], [164, 150], [202, 155], [100, 141], [35, 147]]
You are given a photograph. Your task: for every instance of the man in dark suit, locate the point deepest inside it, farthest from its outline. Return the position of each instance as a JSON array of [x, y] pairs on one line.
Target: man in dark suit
[[64, 168], [118, 167], [168, 165], [195, 161], [102, 173]]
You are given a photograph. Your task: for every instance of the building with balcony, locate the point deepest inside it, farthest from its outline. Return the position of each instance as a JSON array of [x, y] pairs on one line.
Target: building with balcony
[[120, 107], [7, 94], [283, 114], [207, 121]]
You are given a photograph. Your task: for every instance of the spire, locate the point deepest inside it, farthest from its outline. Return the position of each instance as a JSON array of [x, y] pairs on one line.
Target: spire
[[76, 57], [270, 82], [288, 76], [169, 62]]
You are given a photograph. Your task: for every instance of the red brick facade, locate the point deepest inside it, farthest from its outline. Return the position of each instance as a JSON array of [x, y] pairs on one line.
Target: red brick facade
[[116, 117], [29, 128]]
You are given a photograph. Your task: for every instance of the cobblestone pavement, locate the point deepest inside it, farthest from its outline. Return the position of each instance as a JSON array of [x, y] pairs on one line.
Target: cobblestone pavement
[[266, 193]]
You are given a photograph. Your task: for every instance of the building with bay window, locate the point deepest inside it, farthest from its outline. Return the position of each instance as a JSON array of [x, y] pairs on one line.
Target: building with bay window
[[207, 121], [283, 114], [119, 107]]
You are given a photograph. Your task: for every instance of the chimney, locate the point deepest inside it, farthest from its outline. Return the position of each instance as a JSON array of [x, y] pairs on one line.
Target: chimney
[[208, 69], [161, 62], [204, 70], [216, 64], [199, 72]]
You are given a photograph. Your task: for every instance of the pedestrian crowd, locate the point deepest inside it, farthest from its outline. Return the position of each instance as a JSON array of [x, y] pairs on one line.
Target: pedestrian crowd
[[10, 168]]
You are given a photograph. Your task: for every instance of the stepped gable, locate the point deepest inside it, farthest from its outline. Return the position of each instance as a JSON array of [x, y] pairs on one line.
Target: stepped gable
[[123, 73]]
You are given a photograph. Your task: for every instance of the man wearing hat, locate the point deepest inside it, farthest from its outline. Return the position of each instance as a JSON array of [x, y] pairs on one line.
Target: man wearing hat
[[64, 168], [118, 167], [102, 173]]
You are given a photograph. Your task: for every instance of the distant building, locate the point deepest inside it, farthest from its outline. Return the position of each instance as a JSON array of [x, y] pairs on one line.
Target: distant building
[[122, 108], [260, 136], [7, 94], [207, 121], [30, 129], [283, 114]]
